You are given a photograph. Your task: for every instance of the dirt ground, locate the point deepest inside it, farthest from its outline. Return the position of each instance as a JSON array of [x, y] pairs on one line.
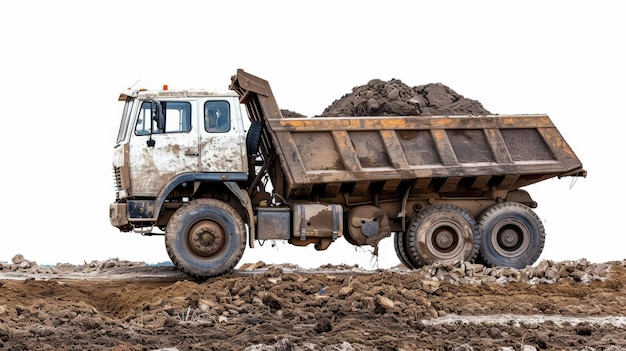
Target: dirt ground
[[121, 305]]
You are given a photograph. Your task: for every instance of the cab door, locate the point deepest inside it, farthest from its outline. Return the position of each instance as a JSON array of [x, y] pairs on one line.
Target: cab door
[[221, 141], [160, 152]]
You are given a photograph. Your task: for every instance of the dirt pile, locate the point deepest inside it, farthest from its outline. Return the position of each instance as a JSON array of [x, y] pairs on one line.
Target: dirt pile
[[122, 305], [395, 98]]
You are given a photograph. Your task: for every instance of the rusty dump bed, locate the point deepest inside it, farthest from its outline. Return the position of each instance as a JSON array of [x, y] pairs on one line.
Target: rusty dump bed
[[441, 154]]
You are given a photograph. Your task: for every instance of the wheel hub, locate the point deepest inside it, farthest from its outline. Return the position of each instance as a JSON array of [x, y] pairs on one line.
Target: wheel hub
[[509, 238], [206, 238], [444, 239]]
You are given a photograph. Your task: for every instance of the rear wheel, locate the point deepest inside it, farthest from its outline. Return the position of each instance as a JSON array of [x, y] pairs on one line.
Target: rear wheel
[[400, 245], [443, 233], [513, 235], [205, 238]]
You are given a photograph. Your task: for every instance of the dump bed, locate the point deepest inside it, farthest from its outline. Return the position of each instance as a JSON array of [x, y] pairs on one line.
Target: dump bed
[[442, 154]]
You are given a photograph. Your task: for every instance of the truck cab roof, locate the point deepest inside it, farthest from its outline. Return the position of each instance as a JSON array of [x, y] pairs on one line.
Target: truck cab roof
[[155, 94]]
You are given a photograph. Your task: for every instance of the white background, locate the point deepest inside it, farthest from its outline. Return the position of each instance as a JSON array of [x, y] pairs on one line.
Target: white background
[[63, 64]]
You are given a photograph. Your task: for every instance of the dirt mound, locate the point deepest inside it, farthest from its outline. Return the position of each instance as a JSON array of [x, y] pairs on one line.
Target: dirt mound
[[124, 305], [394, 98], [291, 114]]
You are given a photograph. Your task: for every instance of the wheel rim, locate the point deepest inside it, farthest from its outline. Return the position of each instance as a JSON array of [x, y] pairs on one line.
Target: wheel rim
[[206, 238], [442, 240], [510, 238]]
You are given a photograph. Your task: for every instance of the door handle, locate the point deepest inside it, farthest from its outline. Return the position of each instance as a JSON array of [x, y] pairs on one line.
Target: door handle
[[192, 151]]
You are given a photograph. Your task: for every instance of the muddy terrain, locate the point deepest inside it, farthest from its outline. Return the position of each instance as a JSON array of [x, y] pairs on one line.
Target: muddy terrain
[[121, 305]]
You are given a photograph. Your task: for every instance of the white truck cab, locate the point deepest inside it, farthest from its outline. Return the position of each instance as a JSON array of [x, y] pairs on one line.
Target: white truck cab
[[169, 138]]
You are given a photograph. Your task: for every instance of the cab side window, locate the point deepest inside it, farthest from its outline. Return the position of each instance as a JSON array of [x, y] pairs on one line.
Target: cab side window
[[177, 118], [216, 116]]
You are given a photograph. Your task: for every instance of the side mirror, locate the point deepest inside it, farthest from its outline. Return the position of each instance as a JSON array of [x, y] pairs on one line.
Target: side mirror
[[158, 115]]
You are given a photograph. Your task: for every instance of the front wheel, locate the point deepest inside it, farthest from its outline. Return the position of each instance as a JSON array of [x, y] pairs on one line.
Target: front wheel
[[513, 235], [205, 238]]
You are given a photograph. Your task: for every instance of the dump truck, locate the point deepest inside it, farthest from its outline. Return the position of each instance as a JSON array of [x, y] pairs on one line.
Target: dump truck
[[215, 172]]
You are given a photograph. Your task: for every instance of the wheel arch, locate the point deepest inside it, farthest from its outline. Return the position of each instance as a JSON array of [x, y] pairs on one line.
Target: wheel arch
[[229, 180], [193, 177]]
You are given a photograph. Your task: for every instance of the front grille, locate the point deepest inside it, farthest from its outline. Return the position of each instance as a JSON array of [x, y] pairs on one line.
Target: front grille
[[117, 178]]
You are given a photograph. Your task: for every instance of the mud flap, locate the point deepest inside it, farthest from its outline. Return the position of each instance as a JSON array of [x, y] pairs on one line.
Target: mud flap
[[244, 198]]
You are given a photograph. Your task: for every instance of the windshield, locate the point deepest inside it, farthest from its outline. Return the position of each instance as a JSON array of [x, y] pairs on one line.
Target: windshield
[[121, 134]]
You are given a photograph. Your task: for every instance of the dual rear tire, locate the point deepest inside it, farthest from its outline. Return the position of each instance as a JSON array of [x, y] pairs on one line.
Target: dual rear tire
[[508, 234]]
